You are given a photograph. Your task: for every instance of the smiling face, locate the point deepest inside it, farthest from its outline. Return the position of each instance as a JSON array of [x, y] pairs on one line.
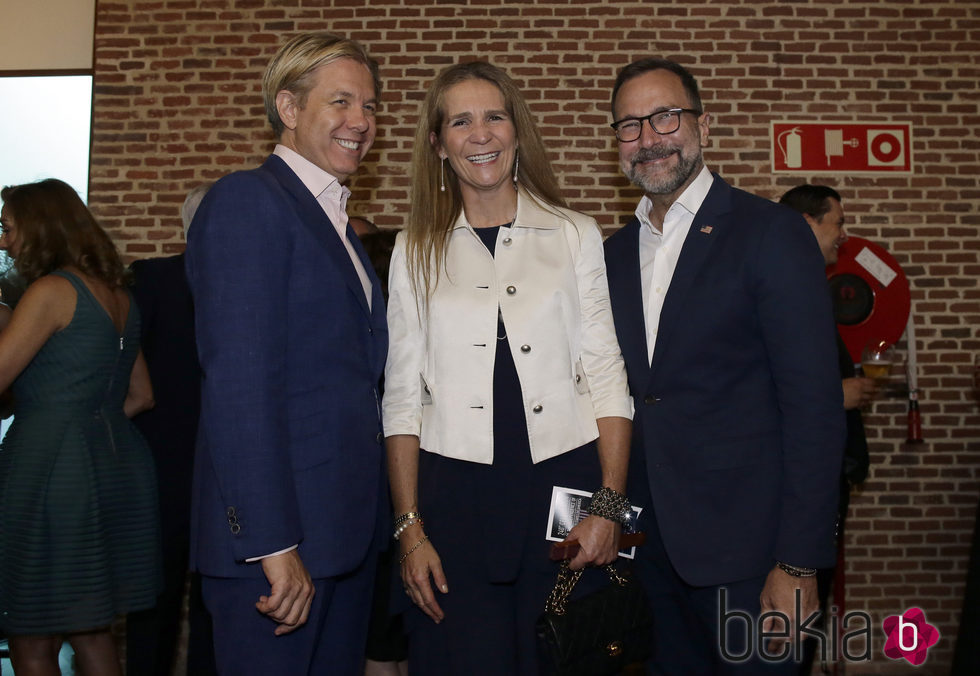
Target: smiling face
[[9, 242], [335, 126], [829, 230], [478, 137], [661, 164]]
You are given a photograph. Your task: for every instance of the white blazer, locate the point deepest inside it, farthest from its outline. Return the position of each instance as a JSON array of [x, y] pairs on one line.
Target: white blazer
[[549, 280]]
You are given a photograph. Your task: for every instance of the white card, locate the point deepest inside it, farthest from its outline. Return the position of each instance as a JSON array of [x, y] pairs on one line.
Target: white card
[[569, 506]]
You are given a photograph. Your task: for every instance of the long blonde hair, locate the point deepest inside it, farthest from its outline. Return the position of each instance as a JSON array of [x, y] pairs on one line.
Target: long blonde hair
[[433, 212]]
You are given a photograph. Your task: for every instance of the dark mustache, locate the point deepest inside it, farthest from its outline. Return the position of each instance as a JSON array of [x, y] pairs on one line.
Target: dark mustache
[[647, 154]]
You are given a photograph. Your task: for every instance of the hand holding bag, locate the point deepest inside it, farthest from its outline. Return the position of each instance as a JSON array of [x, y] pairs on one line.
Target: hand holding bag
[[598, 634]]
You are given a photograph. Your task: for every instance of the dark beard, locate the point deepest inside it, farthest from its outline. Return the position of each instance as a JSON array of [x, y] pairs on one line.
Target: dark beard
[[662, 185]]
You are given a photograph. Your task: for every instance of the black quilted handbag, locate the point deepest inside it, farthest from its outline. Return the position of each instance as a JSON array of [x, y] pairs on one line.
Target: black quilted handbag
[[598, 634]]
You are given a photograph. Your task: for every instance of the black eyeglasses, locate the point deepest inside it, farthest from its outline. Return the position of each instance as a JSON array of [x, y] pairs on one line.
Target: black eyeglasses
[[663, 122]]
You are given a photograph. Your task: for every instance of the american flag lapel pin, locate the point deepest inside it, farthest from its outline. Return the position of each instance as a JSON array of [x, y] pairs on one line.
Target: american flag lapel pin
[[706, 229]]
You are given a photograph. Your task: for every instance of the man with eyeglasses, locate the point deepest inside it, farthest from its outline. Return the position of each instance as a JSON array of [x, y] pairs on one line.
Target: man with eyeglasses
[[724, 320]]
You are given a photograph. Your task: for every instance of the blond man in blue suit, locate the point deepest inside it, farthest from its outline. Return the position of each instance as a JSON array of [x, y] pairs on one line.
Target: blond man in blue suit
[[287, 506]]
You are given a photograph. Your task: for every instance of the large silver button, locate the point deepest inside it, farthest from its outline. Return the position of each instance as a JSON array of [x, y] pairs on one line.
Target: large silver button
[[506, 241], [525, 348], [511, 290], [538, 408]]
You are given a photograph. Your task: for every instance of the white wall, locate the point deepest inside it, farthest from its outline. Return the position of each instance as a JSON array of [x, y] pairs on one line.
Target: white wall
[[46, 34]]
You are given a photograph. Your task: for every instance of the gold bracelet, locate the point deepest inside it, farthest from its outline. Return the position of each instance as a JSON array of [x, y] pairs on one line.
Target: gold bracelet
[[414, 547], [405, 517]]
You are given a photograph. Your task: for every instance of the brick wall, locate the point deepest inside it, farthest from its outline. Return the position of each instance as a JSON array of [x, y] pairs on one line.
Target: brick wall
[[177, 102]]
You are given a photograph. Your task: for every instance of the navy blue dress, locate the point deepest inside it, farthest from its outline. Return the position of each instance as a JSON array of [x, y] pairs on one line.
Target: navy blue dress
[[488, 525]]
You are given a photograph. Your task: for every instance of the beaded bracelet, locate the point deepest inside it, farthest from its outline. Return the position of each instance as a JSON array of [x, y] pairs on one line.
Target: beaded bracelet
[[414, 547], [796, 571], [612, 505], [405, 524]]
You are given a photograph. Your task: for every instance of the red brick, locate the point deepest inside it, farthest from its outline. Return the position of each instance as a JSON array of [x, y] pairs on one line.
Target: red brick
[[178, 102]]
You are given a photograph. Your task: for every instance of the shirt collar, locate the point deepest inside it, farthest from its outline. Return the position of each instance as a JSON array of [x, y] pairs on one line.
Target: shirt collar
[[532, 212], [316, 180], [691, 199]]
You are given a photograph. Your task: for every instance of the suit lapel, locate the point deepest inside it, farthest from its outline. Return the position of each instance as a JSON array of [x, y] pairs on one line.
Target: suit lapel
[[378, 321], [377, 299], [315, 221], [701, 236]]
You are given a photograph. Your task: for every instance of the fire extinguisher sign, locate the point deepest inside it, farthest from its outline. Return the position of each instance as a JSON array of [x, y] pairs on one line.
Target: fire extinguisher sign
[[872, 148]]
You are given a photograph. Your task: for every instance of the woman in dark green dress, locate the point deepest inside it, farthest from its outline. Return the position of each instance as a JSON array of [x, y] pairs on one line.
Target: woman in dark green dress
[[78, 513]]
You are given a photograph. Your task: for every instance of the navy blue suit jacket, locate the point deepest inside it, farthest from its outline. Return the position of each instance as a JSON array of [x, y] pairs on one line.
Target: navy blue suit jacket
[[290, 446], [739, 420]]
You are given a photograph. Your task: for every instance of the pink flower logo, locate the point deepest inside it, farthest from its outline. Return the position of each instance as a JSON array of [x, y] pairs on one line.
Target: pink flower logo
[[909, 636]]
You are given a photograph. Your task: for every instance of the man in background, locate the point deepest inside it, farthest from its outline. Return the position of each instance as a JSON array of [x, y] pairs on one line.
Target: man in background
[[823, 211], [362, 226], [170, 428]]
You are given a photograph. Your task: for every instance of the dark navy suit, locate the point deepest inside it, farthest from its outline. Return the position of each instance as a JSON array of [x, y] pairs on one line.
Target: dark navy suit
[[170, 428], [738, 417], [290, 445]]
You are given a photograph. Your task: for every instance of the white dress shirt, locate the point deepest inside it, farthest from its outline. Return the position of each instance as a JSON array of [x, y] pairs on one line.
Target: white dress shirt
[[659, 251], [332, 198]]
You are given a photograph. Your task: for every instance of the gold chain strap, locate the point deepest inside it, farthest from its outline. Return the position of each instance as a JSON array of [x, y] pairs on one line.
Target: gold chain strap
[[557, 602]]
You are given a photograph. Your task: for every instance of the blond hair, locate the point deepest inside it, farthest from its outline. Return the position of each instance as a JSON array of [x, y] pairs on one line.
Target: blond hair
[[434, 212], [293, 65]]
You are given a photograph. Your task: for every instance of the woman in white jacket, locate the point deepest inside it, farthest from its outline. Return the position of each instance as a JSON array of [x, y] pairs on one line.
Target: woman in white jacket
[[504, 379]]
